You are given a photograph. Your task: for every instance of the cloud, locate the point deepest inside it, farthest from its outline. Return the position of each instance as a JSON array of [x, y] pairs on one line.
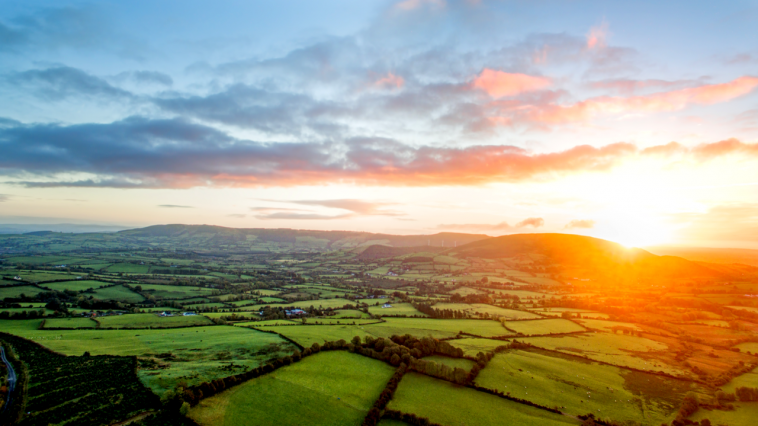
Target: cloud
[[657, 102], [356, 206], [596, 37], [630, 87], [416, 4], [4, 198], [145, 77], [534, 222], [237, 215], [63, 82], [499, 84], [390, 81], [302, 216], [175, 206], [175, 153], [275, 209], [580, 223]]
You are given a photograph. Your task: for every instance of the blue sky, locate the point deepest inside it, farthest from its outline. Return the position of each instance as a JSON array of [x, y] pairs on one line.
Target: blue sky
[[387, 116]]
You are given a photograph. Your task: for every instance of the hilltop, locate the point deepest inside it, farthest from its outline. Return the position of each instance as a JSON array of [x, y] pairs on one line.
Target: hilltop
[[592, 257]]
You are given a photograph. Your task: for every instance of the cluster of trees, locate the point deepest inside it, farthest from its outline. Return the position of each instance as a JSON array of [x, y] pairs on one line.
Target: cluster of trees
[[433, 312], [31, 314], [690, 404], [744, 393]]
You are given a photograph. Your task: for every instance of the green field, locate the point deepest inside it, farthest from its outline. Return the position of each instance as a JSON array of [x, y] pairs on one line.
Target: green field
[[78, 285], [306, 335], [751, 347], [481, 309], [151, 320], [70, 323], [544, 326], [349, 313], [128, 268], [471, 346], [749, 380], [607, 347], [744, 414], [319, 303], [175, 291], [396, 309], [120, 293], [439, 328], [606, 325], [463, 363], [583, 386], [199, 353], [329, 388], [17, 291], [448, 404]]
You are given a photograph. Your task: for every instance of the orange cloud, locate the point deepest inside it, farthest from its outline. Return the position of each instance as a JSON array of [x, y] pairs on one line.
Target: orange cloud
[[534, 222], [657, 102], [499, 84], [597, 36], [178, 154], [391, 80], [580, 223]]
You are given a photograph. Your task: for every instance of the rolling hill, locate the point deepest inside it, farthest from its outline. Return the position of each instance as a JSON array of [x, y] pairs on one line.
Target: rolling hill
[[591, 257]]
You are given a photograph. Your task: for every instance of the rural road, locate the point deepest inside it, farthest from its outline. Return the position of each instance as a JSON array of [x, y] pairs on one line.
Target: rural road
[[11, 379]]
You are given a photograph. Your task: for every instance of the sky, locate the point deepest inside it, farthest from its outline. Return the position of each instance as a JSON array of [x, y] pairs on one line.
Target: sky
[[635, 122]]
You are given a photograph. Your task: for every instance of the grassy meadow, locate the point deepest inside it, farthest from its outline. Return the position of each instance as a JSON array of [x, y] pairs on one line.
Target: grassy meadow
[[448, 404], [329, 388]]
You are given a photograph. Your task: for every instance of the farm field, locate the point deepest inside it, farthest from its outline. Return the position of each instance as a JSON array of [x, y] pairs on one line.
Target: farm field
[[328, 388], [544, 326], [307, 335], [583, 386], [70, 323], [151, 321], [492, 311], [396, 309], [611, 348], [16, 291], [463, 363], [744, 414], [438, 328], [445, 403], [349, 313], [119, 293], [199, 353], [78, 285], [318, 303], [471, 346], [175, 291]]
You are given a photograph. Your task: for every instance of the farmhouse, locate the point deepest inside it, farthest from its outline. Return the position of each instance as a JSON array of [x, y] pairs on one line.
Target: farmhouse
[[386, 305]]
